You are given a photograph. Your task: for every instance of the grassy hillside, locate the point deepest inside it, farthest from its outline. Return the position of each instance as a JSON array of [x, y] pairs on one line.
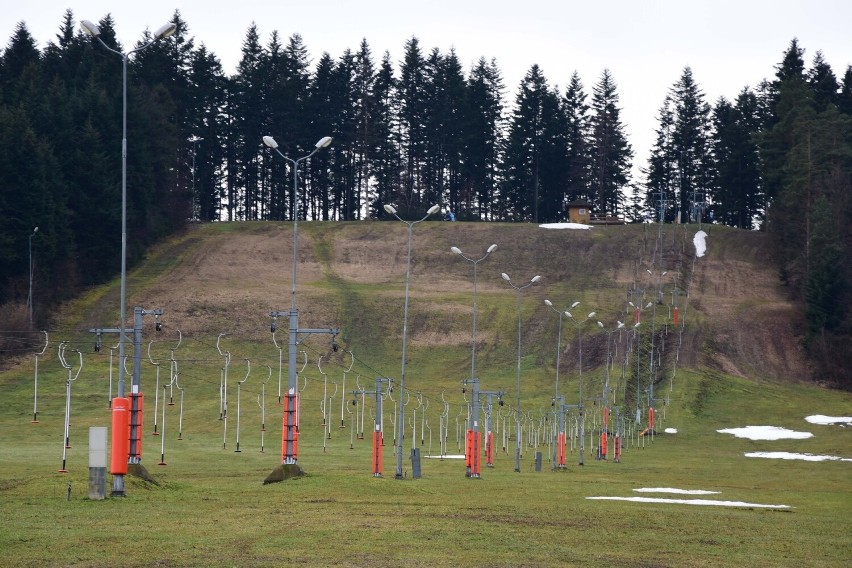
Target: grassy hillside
[[731, 361]]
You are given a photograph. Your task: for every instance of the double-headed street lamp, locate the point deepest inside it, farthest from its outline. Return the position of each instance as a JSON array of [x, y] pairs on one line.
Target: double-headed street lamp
[[30, 295], [579, 323], [401, 428], [323, 142], [291, 411], [558, 447], [637, 310], [162, 32], [473, 422], [518, 290], [475, 262]]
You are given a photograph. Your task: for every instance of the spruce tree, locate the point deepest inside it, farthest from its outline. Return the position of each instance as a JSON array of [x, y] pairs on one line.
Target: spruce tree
[[609, 149], [578, 158]]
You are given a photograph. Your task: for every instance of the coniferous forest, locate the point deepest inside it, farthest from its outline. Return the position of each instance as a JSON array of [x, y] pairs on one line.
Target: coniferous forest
[[777, 157]]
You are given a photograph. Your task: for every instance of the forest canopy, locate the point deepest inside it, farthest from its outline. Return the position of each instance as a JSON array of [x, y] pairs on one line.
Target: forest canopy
[[776, 157]]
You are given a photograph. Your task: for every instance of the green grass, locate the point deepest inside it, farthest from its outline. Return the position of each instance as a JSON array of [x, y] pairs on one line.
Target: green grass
[[211, 508]]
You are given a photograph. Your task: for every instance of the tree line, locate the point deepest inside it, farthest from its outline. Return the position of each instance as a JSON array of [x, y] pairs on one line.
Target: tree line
[[412, 133]]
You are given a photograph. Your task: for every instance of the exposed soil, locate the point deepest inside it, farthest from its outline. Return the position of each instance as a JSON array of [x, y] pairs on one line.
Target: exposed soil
[[227, 278]]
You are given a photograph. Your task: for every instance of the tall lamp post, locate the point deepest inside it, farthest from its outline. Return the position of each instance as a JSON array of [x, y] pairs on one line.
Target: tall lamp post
[[580, 369], [558, 446], [458, 251], [291, 412], [518, 290], [323, 142], [638, 309], [196, 203], [473, 425], [162, 32], [30, 295], [401, 421]]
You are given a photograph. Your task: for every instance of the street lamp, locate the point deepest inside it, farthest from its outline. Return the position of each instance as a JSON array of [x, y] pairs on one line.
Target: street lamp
[[401, 428], [637, 317], [580, 368], [290, 430], [605, 421], [323, 142], [558, 402], [196, 202], [30, 295], [162, 32], [458, 251], [473, 421], [518, 290]]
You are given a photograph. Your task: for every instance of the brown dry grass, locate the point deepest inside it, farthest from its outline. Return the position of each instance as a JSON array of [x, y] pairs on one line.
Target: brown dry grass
[[226, 278]]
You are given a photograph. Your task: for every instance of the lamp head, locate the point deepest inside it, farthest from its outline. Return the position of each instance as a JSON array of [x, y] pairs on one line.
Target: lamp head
[[456, 250], [270, 141], [165, 31], [620, 325], [505, 277], [434, 209], [600, 325], [569, 315], [324, 142], [631, 304], [548, 303], [575, 304], [535, 279], [390, 209], [491, 249], [35, 230], [90, 28], [591, 315]]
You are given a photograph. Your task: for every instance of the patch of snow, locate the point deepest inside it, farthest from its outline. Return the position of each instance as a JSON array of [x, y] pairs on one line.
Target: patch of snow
[[693, 502], [822, 419], [670, 430], [671, 490], [766, 433], [565, 226], [794, 456], [700, 242]]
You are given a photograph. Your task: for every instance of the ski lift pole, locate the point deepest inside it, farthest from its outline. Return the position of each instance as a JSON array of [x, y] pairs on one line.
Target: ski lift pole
[[239, 390], [173, 367], [65, 364], [35, 380], [290, 426], [261, 402], [180, 388], [343, 389], [330, 398], [280, 361], [323, 402], [156, 388], [163, 437], [109, 391]]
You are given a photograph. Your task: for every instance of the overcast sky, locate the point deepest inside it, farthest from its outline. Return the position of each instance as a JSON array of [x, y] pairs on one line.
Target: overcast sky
[[645, 43]]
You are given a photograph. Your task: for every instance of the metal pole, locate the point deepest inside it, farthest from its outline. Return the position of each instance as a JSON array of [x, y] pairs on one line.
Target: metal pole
[[291, 425], [410, 224], [163, 32], [30, 295], [518, 290]]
